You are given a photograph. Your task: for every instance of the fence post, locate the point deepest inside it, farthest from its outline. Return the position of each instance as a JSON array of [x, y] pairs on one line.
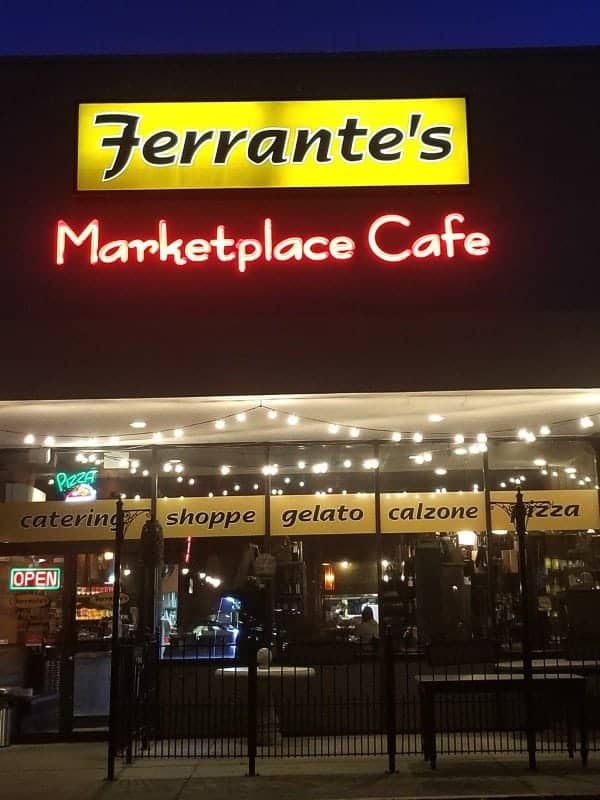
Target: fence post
[[252, 707], [390, 699]]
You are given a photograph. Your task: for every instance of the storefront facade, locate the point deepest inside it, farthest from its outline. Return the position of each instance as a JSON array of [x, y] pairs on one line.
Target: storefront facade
[[331, 311]]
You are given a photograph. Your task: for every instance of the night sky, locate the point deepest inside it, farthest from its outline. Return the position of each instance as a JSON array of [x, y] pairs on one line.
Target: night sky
[[150, 26]]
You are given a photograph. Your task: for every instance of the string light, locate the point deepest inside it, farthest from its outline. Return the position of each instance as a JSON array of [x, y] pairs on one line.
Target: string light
[[586, 422], [293, 419], [241, 417], [354, 433], [545, 430], [29, 439], [333, 428], [220, 424], [436, 418], [396, 436], [178, 433], [417, 437], [272, 414]]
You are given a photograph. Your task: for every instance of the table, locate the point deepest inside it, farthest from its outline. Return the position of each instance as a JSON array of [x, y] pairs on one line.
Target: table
[[570, 686]]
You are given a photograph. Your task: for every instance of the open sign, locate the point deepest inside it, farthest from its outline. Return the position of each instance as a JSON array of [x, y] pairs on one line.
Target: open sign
[[35, 578]]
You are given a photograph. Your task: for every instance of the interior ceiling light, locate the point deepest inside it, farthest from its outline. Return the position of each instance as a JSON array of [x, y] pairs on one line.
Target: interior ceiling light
[[138, 424], [436, 418]]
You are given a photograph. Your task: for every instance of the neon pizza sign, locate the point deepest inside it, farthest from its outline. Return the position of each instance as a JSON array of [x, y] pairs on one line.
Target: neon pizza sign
[[77, 485], [451, 239]]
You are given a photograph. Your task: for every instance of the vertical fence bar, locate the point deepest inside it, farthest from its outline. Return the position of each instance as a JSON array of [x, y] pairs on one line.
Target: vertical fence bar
[[252, 708], [390, 696]]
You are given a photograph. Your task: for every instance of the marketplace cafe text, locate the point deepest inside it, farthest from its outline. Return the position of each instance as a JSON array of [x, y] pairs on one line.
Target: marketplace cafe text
[[390, 238]]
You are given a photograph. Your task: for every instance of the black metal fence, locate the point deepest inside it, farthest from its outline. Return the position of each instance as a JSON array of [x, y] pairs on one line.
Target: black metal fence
[[342, 699]]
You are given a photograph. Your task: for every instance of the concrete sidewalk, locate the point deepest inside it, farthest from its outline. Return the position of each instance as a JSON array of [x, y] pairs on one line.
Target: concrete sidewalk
[[77, 772]]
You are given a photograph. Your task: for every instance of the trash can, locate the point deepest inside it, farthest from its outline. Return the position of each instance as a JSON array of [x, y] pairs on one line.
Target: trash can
[[6, 722]]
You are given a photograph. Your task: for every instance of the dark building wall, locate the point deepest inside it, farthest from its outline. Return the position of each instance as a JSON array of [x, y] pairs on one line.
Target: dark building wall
[[525, 316]]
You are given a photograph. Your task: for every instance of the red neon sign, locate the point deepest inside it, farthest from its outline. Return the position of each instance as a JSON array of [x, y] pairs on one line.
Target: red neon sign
[[450, 241]]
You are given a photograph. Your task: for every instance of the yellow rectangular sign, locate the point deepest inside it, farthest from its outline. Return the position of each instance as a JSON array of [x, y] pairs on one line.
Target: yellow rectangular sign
[[555, 510], [304, 515], [285, 144], [428, 512], [212, 516]]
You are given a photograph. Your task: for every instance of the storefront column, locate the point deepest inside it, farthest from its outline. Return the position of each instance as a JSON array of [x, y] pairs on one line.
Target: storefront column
[[485, 463], [378, 534]]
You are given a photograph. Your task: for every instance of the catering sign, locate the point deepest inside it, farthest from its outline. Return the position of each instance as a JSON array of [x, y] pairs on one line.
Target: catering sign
[[34, 579], [268, 144]]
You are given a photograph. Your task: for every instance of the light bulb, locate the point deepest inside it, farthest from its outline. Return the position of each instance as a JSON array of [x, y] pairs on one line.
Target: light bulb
[[481, 438], [178, 433], [138, 424], [545, 430], [114, 440], [586, 422], [301, 483], [354, 433], [179, 468], [180, 479], [49, 441], [436, 418], [211, 494], [522, 433], [440, 471], [287, 480], [225, 492], [241, 417], [347, 463], [272, 414], [539, 462], [396, 436], [255, 487], [460, 451], [225, 470], [191, 482], [185, 570], [503, 485], [157, 436], [417, 437], [167, 467], [220, 424], [29, 439], [459, 438], [293, 419], [236, 488], [333, 428], [145, 473], [302, 465]]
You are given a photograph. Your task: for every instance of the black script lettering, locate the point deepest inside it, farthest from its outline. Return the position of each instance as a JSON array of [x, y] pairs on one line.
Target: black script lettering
[[304, 141], [125, 143], [348, 134], [383, 141], [158, 143], [192, 142], [436, 137], [274, 152], [226, 142]]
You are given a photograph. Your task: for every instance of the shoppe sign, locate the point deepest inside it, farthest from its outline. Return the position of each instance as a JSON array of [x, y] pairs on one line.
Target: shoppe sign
[[285, 144]]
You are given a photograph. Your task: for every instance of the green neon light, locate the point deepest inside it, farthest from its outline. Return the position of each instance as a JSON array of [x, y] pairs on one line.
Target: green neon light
[[68, 480], [35, 579]]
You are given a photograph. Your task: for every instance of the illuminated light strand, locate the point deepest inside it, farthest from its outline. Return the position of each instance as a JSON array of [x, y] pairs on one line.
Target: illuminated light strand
[[293, 420]]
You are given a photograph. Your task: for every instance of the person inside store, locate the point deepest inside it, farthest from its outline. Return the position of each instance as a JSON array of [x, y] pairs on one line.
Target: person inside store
[[367, 629]]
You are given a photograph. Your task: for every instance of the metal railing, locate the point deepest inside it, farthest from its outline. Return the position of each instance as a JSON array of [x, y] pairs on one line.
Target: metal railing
[[199, 700]]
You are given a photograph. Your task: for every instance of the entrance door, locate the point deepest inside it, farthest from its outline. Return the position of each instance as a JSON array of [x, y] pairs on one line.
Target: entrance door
[[33, 603]]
